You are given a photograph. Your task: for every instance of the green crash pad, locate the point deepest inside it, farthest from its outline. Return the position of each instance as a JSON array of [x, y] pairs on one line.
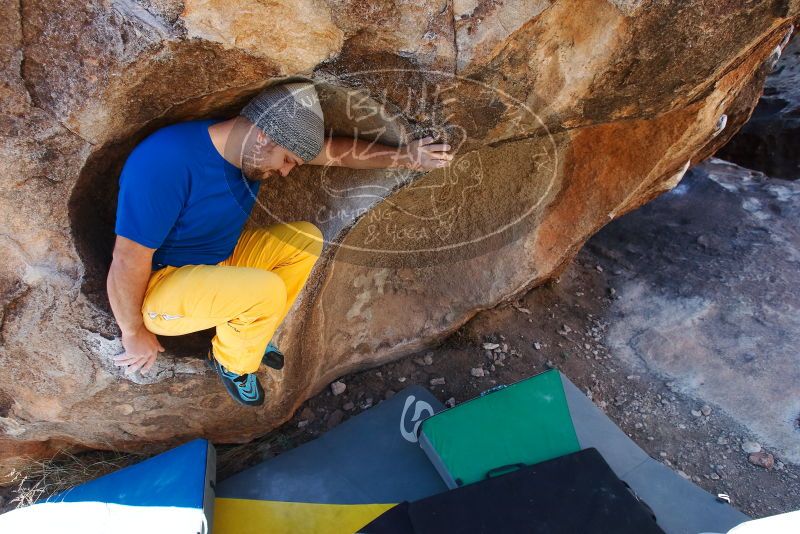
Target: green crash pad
[[523, 423]]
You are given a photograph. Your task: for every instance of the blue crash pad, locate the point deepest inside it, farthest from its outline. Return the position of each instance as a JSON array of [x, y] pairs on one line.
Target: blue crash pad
[[178, 477], [371, 458]]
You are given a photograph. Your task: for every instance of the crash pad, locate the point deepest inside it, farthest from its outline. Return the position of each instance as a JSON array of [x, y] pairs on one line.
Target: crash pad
[[523, 423], [171, 492], [371, 458]]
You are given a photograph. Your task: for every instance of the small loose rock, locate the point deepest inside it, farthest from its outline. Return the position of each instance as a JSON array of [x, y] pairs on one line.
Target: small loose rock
[[437, 381], [338, 387], [762, 459], [335, 418], [751, 447]]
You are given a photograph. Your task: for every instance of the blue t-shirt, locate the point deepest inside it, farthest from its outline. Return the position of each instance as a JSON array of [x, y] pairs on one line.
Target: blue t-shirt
[[177, 194]]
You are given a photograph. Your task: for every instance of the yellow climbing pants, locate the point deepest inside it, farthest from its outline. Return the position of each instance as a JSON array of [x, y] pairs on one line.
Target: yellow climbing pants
[[245, 296]]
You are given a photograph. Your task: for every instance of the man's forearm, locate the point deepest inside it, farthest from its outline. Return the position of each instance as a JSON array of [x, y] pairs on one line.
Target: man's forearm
[[126, 288]]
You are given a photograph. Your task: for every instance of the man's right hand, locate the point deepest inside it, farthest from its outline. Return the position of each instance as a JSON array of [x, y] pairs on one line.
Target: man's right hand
[[141, 349], [127, 281]]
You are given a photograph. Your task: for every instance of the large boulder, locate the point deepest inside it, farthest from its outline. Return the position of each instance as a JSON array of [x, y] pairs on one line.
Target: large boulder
[[565, 113]]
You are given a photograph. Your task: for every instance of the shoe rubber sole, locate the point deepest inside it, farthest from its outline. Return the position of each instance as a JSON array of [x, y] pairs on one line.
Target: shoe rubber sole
[[231, 388], [273, 357]]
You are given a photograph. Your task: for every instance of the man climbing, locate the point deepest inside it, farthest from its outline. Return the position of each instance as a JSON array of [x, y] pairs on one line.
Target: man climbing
[[182, 262]]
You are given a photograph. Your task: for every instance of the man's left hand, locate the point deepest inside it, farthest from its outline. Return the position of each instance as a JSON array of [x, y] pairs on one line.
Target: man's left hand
[[425, 155]]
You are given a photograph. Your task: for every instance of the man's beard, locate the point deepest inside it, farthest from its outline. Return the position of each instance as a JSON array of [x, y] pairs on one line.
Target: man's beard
[[259, 174], [253, 161]]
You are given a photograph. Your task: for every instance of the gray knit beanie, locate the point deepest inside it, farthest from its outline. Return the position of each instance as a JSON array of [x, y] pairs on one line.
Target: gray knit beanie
[[291, 115]]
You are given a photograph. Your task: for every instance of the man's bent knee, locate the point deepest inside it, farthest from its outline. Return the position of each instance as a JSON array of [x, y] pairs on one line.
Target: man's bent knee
[[312, 233]]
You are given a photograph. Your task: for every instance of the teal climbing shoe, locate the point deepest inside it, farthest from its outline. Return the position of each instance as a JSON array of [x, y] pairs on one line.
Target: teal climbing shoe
[[245, 389]]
